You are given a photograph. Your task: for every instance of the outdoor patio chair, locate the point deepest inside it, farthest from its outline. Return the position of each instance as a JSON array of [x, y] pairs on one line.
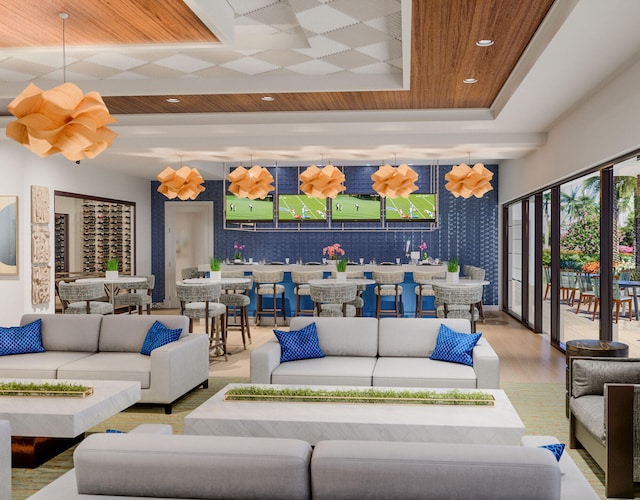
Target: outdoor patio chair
[[617, 300], [585, 286]]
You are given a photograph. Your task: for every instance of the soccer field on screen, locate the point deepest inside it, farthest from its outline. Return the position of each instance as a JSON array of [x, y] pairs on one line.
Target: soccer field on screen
[[245, 209]]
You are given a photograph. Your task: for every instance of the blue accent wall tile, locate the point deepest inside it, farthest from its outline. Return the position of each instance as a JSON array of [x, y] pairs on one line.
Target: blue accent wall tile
[[467, 229]]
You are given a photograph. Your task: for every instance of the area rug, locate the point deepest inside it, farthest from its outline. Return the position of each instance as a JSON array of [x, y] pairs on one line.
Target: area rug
[[541, 407]]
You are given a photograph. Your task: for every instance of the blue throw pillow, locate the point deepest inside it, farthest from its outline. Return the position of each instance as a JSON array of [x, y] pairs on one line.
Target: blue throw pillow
[[21, 339], [455, 347], [299, 344], [157, 336], [556, 449]]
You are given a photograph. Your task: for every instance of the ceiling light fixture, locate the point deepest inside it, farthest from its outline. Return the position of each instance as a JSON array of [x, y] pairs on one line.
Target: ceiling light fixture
[[485, 43], [470, 80], [466, 181], [323, 182], [62, 119], [394, 182], [184, 183], [268, 98], [253, 183], [173, 100]]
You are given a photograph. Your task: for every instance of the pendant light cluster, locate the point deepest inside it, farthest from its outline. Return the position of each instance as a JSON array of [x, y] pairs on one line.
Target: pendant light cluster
[[254, 183], [184, 183], [466, 181], [61, 120], [324, 182], [394, 182]]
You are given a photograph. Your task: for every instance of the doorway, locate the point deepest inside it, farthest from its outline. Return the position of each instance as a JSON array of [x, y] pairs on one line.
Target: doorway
[[188, 241]]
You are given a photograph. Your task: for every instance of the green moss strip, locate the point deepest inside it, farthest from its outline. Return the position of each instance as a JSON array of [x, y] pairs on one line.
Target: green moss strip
[[373, 395], [57, 389]]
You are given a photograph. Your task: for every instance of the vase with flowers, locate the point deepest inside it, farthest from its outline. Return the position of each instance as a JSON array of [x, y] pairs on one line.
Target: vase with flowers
[[237, 252], [333, 252], [423, 250]]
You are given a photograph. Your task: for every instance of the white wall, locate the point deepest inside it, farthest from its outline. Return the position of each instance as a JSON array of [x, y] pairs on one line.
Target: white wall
[[600, 129], [19, 170]]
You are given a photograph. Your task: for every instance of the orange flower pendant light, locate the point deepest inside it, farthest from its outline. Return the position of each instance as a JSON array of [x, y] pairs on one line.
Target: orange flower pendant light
[[394, 182], [253, 183], [184, 183], [466, 181], [323, 182]]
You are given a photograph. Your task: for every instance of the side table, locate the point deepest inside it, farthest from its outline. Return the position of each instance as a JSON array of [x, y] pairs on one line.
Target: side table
[[593, 348]]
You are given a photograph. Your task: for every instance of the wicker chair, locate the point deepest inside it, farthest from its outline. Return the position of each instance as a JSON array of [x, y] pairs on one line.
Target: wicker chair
[[300, 279], [458, 302], [604, 418], [334, 299], [423, 289], [192, 272], [80, 298], [268, 285], [388, 285], [201, 301], [358, 302], [128, 297], [236, 299]]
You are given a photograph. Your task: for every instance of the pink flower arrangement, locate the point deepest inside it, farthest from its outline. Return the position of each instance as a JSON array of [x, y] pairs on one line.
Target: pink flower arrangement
[[237, 250], [332, 251], [423, 249]]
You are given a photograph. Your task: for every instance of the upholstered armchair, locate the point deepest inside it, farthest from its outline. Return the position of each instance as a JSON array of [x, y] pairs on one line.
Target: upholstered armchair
[[604, 418]]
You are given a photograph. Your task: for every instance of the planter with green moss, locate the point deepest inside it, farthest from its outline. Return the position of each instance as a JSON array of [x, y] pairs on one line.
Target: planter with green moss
[[47, 389], [373, 395]]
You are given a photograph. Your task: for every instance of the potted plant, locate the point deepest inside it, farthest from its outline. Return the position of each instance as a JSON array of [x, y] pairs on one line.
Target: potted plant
[[453, 268], [215, 265], [237, 252], [111, 266], [341, 269]]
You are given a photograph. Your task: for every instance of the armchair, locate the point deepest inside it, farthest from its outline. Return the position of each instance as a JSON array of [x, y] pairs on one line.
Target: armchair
[[604, 418]]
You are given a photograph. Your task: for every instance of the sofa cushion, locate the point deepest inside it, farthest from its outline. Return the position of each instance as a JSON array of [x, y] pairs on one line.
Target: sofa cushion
[[130, 366], [126, 333], [21, 339], [343, 336], [330, 370], [299, 344], [588, 376], [422, 372], [179, 466], [590, 411], [556, 448], [413, 337], [455, 347], [380, 470], [67, 332], [157, 336], [38, 364]]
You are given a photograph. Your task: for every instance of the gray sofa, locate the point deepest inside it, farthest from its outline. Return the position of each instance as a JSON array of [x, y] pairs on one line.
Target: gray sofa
[[5, 460], [604, 418], [390, 352], [96, 347], [129, 466]]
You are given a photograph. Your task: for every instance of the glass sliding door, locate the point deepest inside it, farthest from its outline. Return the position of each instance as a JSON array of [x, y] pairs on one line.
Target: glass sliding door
[[514, 265]]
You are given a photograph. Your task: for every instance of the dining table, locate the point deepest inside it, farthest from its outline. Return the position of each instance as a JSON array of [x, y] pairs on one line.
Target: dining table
[[110, 283]]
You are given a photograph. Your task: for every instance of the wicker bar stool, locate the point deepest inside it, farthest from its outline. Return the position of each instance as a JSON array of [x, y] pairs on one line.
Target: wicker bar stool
[[334, 299], [201, 301], [423, 289], [268, 285], [300, 279], [236, 299], [458, 302], [133, 299], [388, 285], [81, 298]]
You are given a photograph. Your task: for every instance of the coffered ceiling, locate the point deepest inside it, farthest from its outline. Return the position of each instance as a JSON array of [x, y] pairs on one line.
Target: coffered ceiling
[[352, 81]]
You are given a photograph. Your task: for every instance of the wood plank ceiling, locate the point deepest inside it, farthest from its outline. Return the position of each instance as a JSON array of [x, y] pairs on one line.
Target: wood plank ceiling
[[444, 53]]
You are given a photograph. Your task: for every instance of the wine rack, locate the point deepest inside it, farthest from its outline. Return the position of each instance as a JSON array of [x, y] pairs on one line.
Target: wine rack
[[62, 243], [107, 232]]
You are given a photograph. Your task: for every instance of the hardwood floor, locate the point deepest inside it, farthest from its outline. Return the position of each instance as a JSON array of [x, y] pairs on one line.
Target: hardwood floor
[[524, 355]]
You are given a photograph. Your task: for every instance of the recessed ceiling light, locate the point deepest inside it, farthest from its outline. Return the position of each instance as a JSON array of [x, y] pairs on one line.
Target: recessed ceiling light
[[173, 100], [267, 98], [470, 80], [484, 43]]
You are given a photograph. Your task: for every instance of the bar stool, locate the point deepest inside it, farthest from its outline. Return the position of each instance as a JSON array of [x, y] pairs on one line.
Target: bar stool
[[80, 298], [201, 301], [423, 289], [458, 302], [334, 299], [132, 299], [301, 278], [236, 299], [267, 285], [388, 285], [192, 272]]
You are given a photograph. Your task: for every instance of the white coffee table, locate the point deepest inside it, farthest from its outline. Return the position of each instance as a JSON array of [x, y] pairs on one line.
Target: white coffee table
[[35, 420], [313, 422]]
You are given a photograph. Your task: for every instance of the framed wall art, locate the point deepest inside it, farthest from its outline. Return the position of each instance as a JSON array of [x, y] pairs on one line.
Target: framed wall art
[[8, 235]]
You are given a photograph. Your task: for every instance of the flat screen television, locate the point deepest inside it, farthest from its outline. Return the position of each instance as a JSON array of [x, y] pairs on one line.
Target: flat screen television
[[355, 208], [418, 207], [301, 208], [247, 210]]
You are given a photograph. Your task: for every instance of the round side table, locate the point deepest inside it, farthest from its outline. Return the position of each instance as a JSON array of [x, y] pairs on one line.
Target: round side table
[[592, 348]]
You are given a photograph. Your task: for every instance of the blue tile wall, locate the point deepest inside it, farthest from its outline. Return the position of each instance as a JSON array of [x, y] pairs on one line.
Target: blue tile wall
[[467, 229]]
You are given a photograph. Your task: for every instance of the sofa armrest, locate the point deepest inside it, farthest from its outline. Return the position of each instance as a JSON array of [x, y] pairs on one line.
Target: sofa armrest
[[264, 360], [486, 365], [5, 460], [178, 367]]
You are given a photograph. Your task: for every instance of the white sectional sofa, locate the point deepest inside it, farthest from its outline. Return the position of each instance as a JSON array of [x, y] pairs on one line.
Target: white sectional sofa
[[135, 465], [96, 347], [391, 352]]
